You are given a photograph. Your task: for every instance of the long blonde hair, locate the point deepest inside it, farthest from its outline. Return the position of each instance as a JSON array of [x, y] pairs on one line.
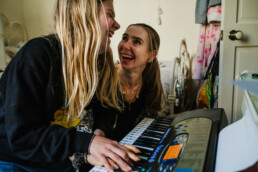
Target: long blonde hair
[[78, 29]]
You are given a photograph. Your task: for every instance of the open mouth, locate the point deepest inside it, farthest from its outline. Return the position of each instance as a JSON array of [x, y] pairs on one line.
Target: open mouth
[[110, 34], [127, 57]]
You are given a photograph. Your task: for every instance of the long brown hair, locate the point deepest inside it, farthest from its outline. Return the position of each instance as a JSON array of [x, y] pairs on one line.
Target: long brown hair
[[151, 74], [78, 29]]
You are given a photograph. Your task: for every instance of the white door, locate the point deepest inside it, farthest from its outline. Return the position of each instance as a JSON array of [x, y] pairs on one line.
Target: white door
[[238, 55]]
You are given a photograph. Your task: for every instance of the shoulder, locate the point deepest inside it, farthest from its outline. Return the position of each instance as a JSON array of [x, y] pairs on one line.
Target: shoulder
[[37, 45], [36, 53]]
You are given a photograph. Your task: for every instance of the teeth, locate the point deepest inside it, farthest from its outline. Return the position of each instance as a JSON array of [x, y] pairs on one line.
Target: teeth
[[127, 56], [110, 34]]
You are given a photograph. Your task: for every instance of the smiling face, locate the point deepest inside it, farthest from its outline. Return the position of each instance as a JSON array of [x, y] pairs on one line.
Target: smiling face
[[108, 23], [133, 49]]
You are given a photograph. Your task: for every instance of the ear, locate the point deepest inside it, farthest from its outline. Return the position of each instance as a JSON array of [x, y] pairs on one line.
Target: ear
[[153, 55]]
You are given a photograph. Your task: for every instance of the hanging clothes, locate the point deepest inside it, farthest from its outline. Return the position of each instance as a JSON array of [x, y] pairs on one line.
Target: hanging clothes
[[201, 10], [208, 38]]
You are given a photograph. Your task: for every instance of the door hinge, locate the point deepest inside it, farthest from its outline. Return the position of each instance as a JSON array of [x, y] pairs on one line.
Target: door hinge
[[221, 35]]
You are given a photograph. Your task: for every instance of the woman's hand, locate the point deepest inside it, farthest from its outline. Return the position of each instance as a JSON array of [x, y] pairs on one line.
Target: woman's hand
[[111, 154], [131, 151], [93, 161]]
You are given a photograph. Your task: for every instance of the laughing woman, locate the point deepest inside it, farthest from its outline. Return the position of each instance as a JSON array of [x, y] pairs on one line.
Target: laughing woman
[[140, 84], [46, 87]]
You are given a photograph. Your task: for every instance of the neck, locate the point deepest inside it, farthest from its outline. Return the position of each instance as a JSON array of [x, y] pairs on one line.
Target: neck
[[131, 84], [130, 79]]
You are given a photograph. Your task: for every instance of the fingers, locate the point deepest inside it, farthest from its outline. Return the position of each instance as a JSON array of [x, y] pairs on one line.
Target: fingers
[[106, 164], [103, 148], [93, 161], [113, 164], [120, 161], [133, 148], [131, 154], [120, 150]]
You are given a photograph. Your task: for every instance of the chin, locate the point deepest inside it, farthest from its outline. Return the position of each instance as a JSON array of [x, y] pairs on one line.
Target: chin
[[101, 52], [124, 66], [103, 49]]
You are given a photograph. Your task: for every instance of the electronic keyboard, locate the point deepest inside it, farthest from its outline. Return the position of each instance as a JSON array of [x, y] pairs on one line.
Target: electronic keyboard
[[185, 143]]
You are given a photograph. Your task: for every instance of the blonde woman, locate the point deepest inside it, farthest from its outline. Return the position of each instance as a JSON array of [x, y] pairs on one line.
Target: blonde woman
[[140, 84], [46, 87]]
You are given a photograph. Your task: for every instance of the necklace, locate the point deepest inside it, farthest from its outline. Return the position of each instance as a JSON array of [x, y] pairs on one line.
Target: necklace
[[131, 94]]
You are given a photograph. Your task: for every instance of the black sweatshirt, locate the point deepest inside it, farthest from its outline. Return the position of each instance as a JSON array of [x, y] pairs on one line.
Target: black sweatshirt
[[31, 91]]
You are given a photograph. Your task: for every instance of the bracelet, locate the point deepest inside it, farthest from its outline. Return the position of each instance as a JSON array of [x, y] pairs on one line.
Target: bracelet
[[85, 155]]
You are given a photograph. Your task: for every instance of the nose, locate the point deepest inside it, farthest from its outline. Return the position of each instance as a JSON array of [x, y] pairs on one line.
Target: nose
[[126, 45], [116, 25]]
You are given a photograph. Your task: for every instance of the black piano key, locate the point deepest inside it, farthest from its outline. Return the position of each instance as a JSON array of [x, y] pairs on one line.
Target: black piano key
[[145, 152], [167, 121], [163, 125], [139, 164], [157, 128], [157, 125], [147, 141], [150, 137], [144, 147], [146, 133], [145, 144], [143, 157], [155, 131], [143, 136]]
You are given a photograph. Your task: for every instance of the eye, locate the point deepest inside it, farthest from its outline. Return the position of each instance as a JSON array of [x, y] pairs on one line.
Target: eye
[[138, 42], [111, 15], [124, 38]]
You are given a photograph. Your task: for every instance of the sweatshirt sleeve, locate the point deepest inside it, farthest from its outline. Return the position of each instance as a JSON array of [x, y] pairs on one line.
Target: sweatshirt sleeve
[[104, 118], [27, 121]]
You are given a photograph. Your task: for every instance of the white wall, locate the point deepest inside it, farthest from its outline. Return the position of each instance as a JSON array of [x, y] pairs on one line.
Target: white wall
[[177, 23], [177, 20], [13, 9], [38, 17]]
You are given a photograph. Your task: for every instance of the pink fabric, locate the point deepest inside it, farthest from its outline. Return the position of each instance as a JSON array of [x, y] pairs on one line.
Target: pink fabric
[[209, 37], [214, 14]]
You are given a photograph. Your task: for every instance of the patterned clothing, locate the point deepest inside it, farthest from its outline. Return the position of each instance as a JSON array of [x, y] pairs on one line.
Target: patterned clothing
[[209, 37], [201, 10], [84, 126]]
